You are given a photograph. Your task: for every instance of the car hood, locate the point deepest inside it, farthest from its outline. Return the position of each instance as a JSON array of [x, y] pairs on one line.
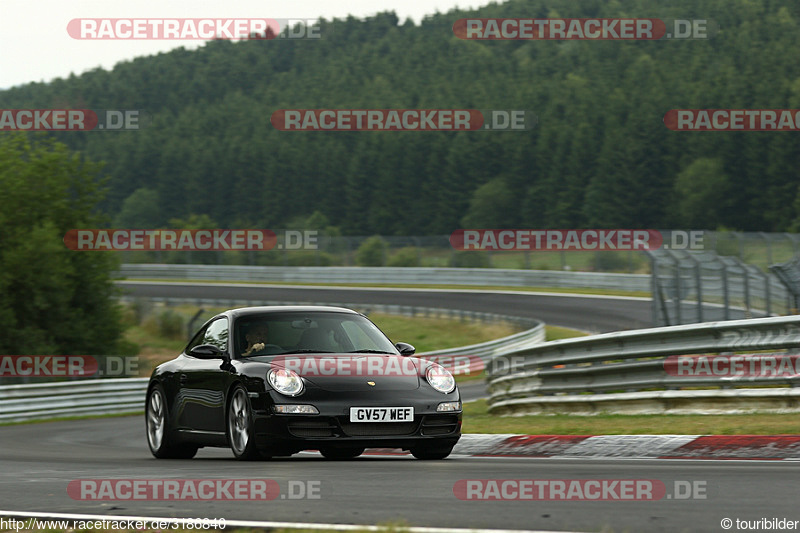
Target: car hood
[[354, 372]]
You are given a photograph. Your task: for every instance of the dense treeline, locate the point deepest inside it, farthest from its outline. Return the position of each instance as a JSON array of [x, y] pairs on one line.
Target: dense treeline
[[600, 155], [52, 300]]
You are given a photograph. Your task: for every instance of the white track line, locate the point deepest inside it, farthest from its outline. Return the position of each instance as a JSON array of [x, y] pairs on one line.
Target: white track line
[[265, 525]]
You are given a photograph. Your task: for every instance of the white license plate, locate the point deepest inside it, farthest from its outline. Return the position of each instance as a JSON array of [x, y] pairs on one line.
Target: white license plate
[[381, 414]]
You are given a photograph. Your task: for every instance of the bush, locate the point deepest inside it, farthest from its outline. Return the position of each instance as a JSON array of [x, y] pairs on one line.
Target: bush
[[371, 252], [471, 259], [137, 311], [726, 244], [168, 324], [404, 257], [606, 261], [309, 258], [269, 258]]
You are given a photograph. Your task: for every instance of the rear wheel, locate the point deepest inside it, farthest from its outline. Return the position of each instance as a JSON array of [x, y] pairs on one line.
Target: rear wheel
[[339, 454], [431, 453], [240, 426], [158, 432]]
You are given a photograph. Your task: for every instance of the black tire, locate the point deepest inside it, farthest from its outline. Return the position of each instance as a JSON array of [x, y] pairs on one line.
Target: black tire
[[157, 428], [239, 426], [431, 454], [340, 454]]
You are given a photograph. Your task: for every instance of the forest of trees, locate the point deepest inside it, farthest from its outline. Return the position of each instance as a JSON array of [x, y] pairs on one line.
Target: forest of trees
[[600, 155]]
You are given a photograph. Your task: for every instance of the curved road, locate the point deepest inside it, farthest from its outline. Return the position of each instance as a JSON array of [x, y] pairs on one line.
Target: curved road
[[595, 314]]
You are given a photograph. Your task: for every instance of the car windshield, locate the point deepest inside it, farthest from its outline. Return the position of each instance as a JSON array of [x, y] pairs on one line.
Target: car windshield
[[308, 332]]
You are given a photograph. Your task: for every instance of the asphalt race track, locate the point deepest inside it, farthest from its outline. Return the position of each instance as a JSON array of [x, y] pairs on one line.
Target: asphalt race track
[[588, 313], [39, 460]]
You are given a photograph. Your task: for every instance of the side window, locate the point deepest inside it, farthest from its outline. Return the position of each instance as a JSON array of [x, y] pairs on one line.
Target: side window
[[217, 334]]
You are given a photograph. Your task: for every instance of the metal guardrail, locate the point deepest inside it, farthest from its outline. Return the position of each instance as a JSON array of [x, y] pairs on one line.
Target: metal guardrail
[[625, 372], [41, 401], [391, 275]]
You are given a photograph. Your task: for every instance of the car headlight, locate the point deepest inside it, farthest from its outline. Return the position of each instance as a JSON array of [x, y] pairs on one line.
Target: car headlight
[[440, 378], [285, 381]]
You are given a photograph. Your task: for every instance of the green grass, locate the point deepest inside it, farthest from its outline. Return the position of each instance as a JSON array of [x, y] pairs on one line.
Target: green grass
[[429, 334], [478, 420], [554, 333]]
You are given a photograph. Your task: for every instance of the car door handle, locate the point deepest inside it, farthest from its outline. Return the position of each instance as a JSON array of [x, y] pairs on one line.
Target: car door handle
[[184, 379]]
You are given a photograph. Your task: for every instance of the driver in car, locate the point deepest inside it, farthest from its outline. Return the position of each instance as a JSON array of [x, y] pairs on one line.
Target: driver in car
[[256, 338]]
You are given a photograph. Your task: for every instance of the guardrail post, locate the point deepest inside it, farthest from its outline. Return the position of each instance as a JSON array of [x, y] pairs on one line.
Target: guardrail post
[[725, 295], [699, 282], [678, 299], [793, 241], [767, 294], [747, 312]]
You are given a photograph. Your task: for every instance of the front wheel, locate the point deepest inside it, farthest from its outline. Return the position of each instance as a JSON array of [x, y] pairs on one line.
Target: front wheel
[[431, 453], [157, 426], [240, 426]]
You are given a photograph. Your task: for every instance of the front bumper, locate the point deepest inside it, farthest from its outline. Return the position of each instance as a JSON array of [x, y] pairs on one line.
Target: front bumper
[[289, 433]]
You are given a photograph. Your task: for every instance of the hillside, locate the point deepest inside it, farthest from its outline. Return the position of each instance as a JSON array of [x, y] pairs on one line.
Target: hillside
[[600, 155]]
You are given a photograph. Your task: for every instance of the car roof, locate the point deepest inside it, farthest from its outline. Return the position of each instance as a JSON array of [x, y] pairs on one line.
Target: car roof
[[266, 309]]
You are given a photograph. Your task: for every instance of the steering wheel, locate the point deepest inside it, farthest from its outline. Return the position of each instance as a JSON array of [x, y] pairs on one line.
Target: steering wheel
[[268, 349]]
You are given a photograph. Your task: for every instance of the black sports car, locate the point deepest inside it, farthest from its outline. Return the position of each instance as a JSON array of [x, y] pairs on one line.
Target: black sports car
[[272, 381]]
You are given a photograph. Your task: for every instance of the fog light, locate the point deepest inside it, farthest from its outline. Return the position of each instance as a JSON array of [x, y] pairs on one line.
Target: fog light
[[449, 406], [294, 409]]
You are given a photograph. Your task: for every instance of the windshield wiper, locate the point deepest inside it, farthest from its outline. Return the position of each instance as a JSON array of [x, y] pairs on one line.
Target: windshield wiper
[[372, 351]]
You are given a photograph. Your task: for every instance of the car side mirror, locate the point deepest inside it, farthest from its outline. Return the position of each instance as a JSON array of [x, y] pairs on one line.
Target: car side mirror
[[405, 349], [206, 351]]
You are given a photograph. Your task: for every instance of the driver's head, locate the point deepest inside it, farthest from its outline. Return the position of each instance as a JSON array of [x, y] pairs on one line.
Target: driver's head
[[257, 333]]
